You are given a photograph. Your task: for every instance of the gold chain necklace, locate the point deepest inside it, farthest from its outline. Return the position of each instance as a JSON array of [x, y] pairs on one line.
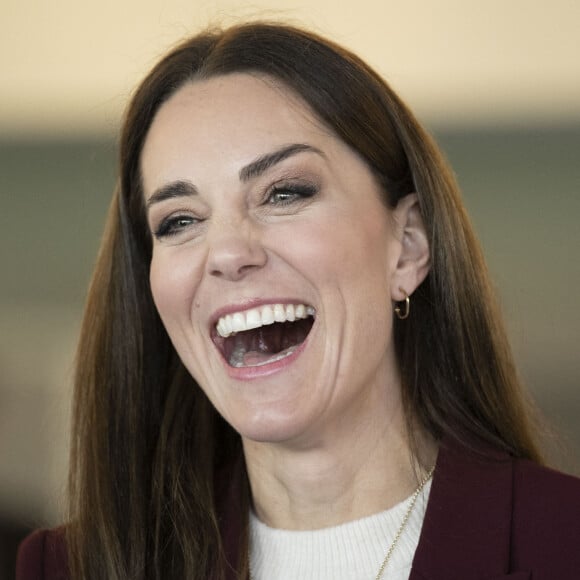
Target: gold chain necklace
[[400, 531]]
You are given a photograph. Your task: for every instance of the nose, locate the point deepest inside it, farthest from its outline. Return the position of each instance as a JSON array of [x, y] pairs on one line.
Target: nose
[[235, 251]]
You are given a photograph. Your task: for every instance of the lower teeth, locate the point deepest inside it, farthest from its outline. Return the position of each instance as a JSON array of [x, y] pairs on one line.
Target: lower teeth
[[239, 356]]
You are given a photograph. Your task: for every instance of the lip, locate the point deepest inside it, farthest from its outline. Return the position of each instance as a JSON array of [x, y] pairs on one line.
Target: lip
[[252, 373]]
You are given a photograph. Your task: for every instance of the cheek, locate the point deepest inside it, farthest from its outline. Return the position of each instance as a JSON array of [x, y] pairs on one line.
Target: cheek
[[348, 250], [174, 281]]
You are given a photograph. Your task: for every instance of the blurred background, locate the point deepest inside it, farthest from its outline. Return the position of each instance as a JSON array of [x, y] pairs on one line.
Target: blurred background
[[496, 82]]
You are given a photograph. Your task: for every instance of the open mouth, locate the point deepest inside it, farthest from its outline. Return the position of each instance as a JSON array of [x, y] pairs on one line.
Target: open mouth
[[263, 335]]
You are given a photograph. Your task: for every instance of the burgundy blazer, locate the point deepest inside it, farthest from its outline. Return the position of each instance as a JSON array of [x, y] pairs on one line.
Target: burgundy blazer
[[492, 518]]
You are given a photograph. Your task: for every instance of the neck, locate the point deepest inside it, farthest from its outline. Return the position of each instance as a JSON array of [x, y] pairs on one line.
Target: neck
[[341, 477]]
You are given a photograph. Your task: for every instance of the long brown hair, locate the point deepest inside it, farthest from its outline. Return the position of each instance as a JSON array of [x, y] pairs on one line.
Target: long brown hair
[[146, 442]]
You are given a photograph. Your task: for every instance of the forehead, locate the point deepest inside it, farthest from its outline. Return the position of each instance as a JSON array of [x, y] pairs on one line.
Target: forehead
[[231, 118]]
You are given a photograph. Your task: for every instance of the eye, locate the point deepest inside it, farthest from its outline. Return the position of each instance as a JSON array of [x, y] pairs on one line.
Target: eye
[[173, 225], [289, 193]]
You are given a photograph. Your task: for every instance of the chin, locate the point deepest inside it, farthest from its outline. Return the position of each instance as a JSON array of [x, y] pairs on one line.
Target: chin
[[270, 429]]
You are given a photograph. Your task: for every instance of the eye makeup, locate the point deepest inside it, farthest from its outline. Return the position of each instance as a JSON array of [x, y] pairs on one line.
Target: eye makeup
[[174, 224], [287, 193]]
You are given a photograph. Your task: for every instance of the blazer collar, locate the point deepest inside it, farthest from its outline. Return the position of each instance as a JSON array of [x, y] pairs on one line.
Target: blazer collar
[[467, 526]]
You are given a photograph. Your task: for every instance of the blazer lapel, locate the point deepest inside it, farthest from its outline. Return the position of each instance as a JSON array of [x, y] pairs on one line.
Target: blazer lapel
[[466, 532], [514, 576]]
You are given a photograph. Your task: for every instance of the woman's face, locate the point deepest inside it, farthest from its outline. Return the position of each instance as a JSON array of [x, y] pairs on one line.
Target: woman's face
[[274, 260]]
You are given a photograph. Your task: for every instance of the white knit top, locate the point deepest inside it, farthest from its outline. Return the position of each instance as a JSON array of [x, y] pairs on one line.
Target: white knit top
[[351, 551]]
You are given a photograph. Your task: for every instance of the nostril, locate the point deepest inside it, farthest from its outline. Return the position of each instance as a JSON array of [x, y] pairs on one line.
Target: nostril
[[236, 260], [233, 272]]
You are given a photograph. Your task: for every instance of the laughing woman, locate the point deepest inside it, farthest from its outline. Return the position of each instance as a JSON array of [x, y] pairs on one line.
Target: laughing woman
[[291, 365]]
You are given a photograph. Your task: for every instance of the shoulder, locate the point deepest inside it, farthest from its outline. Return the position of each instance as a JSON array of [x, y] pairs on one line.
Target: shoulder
[[545, 531], [42, 556], [535, 492], [545, 488], [546, 512], [507, 513]]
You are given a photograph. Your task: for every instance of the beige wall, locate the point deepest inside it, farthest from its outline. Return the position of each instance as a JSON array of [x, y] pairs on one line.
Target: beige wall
[[67, 66]]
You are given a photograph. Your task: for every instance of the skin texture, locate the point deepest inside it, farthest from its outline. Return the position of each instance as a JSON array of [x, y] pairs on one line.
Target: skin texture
[[324, 432]]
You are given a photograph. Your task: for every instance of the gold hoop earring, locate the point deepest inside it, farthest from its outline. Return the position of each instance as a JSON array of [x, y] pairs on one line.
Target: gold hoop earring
[[402, 315]]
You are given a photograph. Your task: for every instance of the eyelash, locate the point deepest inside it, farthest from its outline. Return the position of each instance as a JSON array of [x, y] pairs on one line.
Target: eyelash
[[171, 226], [293, 193]]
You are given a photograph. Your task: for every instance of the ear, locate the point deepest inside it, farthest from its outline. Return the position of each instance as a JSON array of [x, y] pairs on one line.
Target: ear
[[414, 258]]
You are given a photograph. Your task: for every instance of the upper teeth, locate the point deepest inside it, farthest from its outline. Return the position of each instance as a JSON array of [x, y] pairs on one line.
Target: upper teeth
[[256, 317]]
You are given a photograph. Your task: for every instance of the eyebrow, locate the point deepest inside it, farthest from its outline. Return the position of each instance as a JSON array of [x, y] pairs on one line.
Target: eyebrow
[[172, 190], [263, 163], [184, 188]]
